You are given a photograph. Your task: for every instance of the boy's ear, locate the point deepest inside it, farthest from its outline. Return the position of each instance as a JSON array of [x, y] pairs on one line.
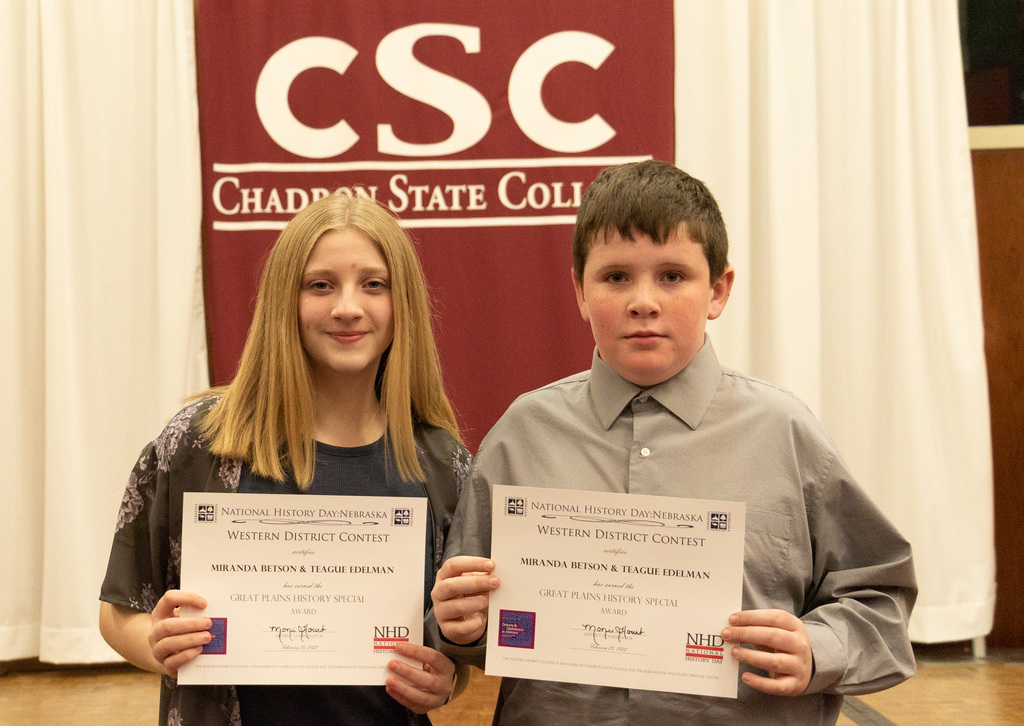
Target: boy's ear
[[720, 293], [580, 299]]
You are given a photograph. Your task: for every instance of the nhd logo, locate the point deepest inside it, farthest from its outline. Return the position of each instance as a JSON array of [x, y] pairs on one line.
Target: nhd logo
[[705, 647], [385, 637]]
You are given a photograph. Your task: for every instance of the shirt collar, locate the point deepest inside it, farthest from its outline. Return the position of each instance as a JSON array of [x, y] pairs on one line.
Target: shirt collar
[[687, 394]]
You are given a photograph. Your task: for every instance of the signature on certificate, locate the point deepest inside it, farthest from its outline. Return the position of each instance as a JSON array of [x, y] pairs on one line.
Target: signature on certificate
[[298, 632], [617, 632]]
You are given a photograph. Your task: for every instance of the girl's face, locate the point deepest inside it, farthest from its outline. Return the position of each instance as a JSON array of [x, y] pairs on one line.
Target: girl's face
[[346, 318]]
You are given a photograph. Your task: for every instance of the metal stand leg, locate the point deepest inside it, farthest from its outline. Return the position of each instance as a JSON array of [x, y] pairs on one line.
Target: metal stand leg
[[978, 647]]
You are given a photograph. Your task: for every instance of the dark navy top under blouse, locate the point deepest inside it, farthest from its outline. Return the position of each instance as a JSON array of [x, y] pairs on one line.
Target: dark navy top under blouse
[[344, 471]]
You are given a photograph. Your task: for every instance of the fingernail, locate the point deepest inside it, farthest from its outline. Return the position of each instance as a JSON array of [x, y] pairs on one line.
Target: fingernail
[[494, 582], [734, 619], [727, 634]]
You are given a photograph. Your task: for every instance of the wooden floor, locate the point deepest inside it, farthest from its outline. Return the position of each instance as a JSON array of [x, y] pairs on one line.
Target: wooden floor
[[950, 687]]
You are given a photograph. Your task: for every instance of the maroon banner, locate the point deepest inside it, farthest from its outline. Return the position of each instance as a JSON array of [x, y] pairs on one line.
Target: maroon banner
[[479, 124]]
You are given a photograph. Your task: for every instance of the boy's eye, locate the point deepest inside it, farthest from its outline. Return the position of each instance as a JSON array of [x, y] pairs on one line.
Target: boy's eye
[[615, 277], [674, 277]]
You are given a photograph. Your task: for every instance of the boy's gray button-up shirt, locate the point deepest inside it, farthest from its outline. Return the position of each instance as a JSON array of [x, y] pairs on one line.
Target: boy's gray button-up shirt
[[815, 546]]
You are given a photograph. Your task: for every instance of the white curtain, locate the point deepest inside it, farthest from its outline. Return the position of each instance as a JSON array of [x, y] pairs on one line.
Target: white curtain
[[834, 134], [101, 313]]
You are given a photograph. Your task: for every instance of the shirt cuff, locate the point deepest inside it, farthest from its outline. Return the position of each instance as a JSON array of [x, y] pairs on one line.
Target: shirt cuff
[[472, 654], [829, 656]]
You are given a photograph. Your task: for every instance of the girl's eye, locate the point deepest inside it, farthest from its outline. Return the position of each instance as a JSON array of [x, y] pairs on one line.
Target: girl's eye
[[377, 284], [318, 285]]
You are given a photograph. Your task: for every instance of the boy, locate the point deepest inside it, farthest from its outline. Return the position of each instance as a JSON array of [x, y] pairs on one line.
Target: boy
[[828, 582]]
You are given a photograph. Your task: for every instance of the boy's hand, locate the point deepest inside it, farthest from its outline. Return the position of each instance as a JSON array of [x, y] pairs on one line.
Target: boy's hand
[[783, 649], [420, 689], [175, 640], [461, 593]]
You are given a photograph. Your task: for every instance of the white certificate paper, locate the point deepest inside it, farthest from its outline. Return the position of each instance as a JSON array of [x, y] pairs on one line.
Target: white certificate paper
[[615, 589], [303, 589]]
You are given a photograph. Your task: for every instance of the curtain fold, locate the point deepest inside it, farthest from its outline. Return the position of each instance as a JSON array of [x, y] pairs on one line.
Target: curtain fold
[[21, 320], [107, 322]]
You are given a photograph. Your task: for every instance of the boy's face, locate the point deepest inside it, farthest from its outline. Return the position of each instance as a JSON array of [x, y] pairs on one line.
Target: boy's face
[[648, 304]]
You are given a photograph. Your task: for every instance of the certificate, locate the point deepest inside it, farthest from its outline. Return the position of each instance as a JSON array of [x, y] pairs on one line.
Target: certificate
[[303, 589], [615, 589]]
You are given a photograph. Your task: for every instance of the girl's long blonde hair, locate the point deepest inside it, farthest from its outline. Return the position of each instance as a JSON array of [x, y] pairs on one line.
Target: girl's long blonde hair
[[265, 415]]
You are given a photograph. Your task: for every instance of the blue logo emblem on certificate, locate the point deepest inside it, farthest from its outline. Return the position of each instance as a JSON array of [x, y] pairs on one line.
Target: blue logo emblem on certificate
[[401, 517], [219, 631], [516, 628], [719, 521], [206, 513]]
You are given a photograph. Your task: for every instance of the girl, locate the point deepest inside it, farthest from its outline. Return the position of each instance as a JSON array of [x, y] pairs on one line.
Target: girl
[[338, 391]]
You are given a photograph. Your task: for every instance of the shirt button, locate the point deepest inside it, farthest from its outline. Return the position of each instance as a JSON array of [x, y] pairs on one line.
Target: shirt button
[[642, 399], [645, 451]]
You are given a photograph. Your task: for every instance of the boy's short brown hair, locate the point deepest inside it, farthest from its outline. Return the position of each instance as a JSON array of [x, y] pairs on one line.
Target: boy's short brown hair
[[653, 198]]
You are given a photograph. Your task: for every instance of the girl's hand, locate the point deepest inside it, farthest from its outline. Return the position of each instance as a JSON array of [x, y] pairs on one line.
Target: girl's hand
[[174, 640], [420, 689]]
